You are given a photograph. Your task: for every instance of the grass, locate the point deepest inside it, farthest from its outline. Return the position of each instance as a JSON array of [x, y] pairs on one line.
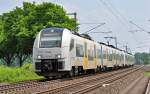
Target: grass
[[148, 65], [147, 74], [12, 75]]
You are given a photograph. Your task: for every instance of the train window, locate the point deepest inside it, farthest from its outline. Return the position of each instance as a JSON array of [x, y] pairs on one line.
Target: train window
[[79, 50], [50, 37], [71, 44], [85, 49], [90, 54]]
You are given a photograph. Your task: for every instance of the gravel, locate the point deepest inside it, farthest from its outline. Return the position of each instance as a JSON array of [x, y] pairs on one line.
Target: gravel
[[118, 86]]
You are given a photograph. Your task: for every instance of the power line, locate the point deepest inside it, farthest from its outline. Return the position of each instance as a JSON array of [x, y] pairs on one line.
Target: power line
[[103, 32], [142, 46], [94, 28], [111, 11], [122, 16], [142, 29], [114, 14], [81, 23], [133, 31]]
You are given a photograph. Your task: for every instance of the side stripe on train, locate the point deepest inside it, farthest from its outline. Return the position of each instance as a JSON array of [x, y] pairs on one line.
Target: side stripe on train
[[95, 57], [85, 58]]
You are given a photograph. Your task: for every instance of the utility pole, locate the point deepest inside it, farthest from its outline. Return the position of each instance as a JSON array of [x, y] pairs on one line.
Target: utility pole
[[126, 48], [75, 18], [115, 41], [115, 38]]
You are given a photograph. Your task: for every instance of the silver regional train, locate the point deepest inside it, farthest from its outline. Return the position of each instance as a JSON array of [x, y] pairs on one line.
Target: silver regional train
[[59, 51]]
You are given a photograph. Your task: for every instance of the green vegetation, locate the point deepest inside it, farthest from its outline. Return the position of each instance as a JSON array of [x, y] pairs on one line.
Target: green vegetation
[[11, 75], [142, 58], [148, 65], [147, 74], [18, 29]]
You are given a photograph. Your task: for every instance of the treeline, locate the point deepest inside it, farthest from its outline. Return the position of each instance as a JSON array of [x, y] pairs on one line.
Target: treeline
[[142, 58], [18, 29]]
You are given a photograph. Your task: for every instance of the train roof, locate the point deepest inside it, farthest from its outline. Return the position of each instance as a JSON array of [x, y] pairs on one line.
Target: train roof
[[112, 46], [90, 38], [82, 35], [102, 43], [86, 36]]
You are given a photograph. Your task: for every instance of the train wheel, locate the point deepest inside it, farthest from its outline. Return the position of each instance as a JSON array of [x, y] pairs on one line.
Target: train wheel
[[80, 70], [97, 69], [47, 77], [100, 69], [54, 77], [76, 71], [71, 73]]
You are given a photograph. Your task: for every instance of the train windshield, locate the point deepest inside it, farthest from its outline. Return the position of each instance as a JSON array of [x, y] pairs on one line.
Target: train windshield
[[51, 37]]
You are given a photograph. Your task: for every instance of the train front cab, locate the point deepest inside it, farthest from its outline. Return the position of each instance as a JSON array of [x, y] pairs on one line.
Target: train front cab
[[50, 52]]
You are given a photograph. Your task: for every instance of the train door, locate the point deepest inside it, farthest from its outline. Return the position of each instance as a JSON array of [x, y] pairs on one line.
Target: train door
[[90, 55], [95, 57], [104, 56], [124, 59], [85, 59], [110, 57], [79, 54], [72, 51], [101, 56], [115, 57]]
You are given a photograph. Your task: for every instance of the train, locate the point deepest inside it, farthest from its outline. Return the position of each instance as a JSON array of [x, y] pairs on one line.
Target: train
[[59, 51]]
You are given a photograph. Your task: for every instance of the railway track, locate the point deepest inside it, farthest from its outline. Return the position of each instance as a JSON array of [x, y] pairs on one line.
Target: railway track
[[100, 83], [79, 87], [56, 86], [20, 87]]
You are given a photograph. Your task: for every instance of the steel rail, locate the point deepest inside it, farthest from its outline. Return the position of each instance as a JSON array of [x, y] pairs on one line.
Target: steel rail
[[65, 87]]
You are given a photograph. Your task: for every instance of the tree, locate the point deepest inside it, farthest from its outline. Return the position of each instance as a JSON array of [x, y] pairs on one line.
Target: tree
[[142, 58], [20, 26]]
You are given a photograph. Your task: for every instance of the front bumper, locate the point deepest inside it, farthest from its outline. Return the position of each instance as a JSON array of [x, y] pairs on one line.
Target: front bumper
[[49, 65]]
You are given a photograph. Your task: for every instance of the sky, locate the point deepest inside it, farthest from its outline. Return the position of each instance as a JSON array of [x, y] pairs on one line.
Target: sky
[[119, 16]]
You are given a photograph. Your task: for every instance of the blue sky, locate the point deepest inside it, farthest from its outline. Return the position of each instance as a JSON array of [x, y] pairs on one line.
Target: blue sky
[[115, 13]]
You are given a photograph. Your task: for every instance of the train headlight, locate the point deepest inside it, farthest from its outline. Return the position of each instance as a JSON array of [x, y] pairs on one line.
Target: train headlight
[[39, 57], [58, 56]]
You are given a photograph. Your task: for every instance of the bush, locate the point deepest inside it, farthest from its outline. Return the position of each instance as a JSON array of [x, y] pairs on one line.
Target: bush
[[23, 73]]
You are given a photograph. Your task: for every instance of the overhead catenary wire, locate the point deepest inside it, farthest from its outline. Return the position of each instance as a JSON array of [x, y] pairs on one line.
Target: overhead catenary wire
[[115, 13], [142, 29], [111, 11], [86, 32], [85, 23], [125, 19], [121, 16], [103, 32]]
